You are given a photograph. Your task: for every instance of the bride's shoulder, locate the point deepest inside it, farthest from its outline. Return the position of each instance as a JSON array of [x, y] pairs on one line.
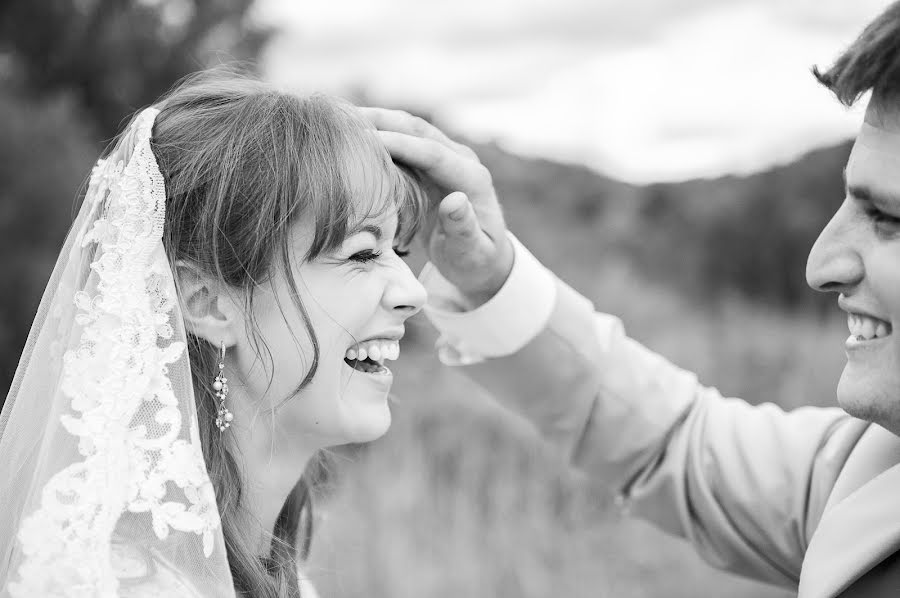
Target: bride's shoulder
[[143, 574]]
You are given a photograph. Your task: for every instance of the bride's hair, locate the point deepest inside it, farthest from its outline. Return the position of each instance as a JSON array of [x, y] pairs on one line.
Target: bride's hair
[[242, 162]]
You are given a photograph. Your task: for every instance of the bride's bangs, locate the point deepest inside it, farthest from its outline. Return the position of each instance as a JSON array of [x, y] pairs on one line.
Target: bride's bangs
[[359, 182]]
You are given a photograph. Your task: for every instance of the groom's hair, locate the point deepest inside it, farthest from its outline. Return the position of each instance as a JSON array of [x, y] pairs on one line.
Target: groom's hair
[[871, 63]]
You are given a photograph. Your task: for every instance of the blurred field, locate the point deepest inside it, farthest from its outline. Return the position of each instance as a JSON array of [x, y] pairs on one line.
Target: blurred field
[[461, 499]]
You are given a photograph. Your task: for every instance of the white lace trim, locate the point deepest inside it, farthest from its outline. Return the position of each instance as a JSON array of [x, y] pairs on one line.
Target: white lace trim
[[126, 416]]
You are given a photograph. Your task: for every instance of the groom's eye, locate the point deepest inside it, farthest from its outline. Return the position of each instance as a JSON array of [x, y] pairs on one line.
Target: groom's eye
[[885, 224]]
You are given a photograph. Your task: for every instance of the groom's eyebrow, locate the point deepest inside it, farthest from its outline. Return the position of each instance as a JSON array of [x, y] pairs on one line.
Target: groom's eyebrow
[[876, 198], [866, 193]]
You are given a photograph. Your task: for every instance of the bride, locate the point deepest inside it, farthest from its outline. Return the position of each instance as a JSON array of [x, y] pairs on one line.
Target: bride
[[222, 308]]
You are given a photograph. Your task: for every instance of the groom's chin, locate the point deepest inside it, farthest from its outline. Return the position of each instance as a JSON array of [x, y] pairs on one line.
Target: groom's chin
[[863, 396], [852, 392]]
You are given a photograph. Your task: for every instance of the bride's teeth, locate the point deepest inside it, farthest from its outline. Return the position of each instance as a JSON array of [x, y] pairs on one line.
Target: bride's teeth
[[881, 330], [374, 352]]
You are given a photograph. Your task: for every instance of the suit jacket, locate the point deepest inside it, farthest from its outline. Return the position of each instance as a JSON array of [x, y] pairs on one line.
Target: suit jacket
[[807, 499]]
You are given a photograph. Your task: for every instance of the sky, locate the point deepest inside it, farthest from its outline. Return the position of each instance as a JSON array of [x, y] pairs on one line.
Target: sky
[[645, 90]]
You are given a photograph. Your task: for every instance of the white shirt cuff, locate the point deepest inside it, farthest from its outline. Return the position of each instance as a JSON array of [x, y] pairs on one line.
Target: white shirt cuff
[[507, 322]]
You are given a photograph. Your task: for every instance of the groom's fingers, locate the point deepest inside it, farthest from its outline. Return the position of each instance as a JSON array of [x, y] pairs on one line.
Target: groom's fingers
[[447, 168], [457, 218], [398, 121]]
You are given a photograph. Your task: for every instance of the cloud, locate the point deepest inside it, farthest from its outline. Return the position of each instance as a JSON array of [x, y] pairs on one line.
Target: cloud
[[356, 23], [662, 89], [726, 92]]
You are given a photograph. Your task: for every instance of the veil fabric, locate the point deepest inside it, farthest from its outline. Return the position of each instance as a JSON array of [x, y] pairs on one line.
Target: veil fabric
[[103, 486]]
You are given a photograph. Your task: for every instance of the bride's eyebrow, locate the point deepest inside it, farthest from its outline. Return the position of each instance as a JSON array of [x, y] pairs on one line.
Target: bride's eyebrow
[[373, 230]]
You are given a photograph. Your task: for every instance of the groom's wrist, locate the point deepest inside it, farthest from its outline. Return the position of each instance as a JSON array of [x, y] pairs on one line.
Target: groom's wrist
[[507, 321], [497, 274]]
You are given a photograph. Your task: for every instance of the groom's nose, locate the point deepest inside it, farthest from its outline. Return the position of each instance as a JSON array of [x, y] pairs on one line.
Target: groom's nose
[[834, 262]]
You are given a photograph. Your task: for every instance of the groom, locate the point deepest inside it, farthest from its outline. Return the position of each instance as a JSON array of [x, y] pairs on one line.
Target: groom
[[807, 499]]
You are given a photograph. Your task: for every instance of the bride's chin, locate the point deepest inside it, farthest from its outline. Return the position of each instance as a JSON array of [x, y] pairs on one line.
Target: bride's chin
[[370, 430], [364, 399], [365, 423]]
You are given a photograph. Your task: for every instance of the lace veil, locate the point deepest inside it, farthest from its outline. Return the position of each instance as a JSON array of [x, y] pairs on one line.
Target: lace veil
[[103, 487]]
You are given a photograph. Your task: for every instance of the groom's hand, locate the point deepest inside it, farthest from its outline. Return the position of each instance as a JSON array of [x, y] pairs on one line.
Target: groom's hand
[[467, 239]]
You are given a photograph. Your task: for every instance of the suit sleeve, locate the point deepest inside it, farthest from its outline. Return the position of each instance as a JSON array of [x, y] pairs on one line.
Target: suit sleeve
[[744, 484]]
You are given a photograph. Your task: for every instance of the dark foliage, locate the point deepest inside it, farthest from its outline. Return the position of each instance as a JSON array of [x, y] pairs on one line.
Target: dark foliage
[[116, 56], [748, 236], [70, 72]]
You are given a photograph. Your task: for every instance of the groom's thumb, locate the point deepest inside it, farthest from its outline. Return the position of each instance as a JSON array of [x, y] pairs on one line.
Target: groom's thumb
[[457, 217]]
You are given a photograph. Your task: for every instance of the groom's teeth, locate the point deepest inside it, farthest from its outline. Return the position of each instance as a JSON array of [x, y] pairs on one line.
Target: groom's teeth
[[362, 354], [866, 328], [375, 353], [351, 354]]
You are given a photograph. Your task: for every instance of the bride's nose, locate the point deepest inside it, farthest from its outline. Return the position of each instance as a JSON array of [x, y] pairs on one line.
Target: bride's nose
[[404, 294]]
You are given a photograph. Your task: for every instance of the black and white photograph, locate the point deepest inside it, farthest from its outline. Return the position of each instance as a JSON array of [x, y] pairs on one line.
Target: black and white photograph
[[472, 299]]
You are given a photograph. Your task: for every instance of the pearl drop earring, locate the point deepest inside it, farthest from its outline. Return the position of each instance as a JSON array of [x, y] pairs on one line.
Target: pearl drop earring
[[220, 385]]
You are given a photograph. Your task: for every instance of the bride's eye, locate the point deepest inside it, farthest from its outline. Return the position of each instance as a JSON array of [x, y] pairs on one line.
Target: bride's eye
[[365, 256], [369, 255]]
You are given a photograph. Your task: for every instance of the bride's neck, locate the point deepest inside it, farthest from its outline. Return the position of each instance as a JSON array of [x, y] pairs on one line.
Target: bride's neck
[[269, 474]]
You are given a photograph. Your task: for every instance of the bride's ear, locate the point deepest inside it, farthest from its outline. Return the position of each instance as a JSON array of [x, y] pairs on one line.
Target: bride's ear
[[208, 306]]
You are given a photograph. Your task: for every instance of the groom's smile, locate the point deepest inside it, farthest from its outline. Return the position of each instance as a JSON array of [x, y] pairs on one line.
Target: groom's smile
[[866, 330]]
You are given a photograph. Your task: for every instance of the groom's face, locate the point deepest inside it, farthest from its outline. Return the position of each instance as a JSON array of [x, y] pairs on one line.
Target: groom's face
[[857, 256]]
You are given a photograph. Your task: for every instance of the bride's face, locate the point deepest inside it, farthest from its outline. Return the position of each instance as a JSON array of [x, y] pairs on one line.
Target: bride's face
[[357, 299]]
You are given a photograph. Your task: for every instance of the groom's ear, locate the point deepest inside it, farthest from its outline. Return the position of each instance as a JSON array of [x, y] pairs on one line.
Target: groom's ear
[[208, 305]]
